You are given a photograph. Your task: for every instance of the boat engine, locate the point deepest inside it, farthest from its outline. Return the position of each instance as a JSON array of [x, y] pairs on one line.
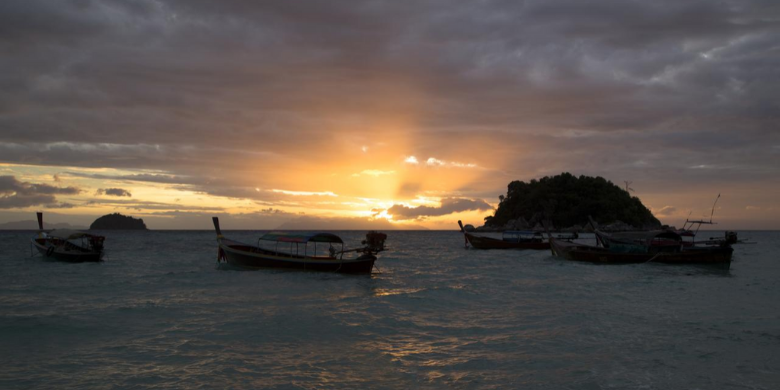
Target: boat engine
[[96, 242], [731, 237], [374, 242]]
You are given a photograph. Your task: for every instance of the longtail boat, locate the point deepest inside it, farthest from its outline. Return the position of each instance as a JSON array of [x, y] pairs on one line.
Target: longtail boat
[[509, 240], [66, 245], [291, 250], [643, 247]]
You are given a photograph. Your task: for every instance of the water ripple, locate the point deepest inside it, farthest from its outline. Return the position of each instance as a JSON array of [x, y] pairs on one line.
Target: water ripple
[[438, 316]]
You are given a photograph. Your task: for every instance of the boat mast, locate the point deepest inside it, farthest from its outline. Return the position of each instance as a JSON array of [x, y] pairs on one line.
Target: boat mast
[[713, 207], [702, 222]]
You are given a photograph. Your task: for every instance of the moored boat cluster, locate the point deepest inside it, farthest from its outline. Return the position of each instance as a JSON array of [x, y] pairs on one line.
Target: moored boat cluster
[[662, 246], [326, 252]]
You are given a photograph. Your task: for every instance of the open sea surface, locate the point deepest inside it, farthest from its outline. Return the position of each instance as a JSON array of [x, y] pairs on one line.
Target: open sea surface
[[158, 314]]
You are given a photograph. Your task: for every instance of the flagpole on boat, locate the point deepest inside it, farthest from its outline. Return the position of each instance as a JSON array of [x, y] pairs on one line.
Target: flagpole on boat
[[465, 238], [220, 252]]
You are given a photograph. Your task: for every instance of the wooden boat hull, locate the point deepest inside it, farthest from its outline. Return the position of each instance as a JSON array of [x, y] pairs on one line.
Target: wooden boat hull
[[68, 254], [720, 256], [479, 242], [251, 257]]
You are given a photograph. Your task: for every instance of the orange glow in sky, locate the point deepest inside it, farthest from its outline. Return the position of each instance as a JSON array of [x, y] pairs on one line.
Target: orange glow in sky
[[334, 116]]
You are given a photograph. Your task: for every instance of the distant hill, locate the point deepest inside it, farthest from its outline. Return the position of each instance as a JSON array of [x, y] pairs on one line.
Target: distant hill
[[118, 221], [568, 200], [33, 225]]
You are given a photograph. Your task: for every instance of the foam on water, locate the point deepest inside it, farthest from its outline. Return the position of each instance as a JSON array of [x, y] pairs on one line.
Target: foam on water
[[158, 314]]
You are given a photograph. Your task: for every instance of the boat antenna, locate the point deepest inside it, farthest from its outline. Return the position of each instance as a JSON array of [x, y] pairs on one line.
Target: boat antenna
[[713, 207], [686, 220]]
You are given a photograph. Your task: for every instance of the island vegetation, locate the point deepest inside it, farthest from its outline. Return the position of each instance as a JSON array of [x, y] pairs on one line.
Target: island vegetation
[[118, 221], [567, 201]]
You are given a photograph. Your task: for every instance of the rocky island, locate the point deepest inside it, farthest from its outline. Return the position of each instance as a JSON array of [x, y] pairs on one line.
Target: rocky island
[[118, 221], [567, 201]]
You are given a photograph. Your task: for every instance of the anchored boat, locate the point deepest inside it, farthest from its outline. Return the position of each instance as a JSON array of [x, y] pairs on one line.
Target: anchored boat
[[301, 251], [510, 240], [66, 245], [662, 246]]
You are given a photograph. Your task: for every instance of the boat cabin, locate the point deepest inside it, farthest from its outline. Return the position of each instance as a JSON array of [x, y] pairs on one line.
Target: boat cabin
[[71, 240], [522, 236], [297, 244], [641, 242]]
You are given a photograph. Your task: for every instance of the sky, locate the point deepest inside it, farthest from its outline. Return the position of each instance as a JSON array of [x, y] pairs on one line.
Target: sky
[[383, 114]]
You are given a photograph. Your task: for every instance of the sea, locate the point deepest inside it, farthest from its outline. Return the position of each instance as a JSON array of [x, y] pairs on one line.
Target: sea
[[159, 313]]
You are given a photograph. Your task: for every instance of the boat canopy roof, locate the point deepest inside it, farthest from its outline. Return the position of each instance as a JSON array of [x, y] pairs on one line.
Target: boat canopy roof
[[68, 234], [301, 237], [645, 236], [522, 232]]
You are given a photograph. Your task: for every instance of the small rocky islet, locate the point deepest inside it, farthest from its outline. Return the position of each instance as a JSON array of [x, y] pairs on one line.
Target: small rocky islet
[[568, 201], [118, 221]]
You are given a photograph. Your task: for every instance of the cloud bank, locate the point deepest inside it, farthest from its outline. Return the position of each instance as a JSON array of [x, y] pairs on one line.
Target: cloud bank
[[448, 206], [220, 98], [120, 192], [17, 194]]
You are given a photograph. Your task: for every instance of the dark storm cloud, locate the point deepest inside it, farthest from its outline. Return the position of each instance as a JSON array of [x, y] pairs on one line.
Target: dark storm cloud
[[24, 22], [203, 184], [148, 205], [114, 192], [61, 205], [141, 177], [448, 206], [9, 185], [16, 194], [195, 87]]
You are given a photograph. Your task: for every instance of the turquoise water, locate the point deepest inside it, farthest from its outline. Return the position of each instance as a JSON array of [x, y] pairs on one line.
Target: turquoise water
[[158, 314]]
